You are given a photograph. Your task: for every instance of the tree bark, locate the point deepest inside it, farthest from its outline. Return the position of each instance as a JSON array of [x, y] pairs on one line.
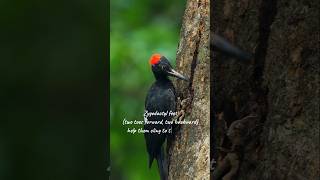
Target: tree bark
[[282, 78], [189, 149]]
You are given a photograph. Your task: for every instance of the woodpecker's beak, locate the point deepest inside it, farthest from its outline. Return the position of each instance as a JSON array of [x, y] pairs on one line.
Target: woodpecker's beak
[[174, 73]]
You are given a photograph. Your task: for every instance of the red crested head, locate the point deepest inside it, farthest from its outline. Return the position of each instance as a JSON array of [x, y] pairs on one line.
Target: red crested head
[[155, 58]]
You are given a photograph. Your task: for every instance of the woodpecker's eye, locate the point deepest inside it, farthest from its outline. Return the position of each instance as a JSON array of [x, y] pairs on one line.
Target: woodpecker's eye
[[165, 68]]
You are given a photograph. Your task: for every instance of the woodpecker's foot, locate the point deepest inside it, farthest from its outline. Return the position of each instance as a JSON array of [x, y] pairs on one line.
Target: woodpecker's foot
[[181, 115], [183, 104]]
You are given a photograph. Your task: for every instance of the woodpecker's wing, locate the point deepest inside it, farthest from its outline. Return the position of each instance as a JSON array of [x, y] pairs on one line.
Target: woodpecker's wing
[[160, 98]]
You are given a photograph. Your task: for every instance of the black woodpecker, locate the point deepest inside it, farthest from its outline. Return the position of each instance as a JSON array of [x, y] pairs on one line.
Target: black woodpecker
[[161, 98]]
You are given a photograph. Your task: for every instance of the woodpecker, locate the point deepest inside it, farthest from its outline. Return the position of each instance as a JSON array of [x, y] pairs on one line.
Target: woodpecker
[[161, 97]]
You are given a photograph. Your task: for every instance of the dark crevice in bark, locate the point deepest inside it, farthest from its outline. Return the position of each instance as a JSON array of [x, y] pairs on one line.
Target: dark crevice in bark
[[193, 67], [194, 63], [268, 11], [199, 4]]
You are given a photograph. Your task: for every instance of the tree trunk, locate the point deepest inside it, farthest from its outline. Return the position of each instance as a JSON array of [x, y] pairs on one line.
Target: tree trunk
[[282, 79], [189, 149]]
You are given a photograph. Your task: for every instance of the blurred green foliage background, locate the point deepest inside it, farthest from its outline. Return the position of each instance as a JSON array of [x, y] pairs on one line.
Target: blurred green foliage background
[[139, 28]]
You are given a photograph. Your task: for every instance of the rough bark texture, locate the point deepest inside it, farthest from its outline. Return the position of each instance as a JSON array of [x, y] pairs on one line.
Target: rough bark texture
[[283, 79], [189, 149]]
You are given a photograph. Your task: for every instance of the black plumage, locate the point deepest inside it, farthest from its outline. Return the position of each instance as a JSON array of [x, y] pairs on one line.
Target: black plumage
[[161, 98]]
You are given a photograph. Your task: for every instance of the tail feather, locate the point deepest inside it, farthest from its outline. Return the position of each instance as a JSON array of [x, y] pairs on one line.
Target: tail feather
[[162, 165], [150, 161]]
